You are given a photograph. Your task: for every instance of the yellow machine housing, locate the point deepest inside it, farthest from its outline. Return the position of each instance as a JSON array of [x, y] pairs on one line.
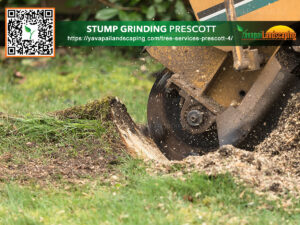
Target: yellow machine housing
[[230, 101], [280, 10]]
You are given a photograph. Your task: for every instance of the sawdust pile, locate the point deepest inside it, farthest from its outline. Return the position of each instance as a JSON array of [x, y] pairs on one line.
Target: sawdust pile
[[273, 166]]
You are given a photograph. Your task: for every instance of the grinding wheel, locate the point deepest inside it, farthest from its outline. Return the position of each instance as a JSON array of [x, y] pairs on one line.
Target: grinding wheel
[[164, 125]]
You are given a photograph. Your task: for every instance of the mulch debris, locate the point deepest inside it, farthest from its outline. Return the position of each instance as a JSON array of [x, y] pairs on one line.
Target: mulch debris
[[273, 166]]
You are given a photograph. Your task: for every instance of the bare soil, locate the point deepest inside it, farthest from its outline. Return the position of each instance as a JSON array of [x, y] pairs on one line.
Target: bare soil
[[90, 162], [85, 158]]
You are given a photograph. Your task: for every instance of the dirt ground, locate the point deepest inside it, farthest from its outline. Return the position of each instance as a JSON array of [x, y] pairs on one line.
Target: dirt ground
[[61, 166], [85, 158]]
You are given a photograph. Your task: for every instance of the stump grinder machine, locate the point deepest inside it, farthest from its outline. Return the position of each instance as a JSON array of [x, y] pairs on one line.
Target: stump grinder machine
[[213, 96]]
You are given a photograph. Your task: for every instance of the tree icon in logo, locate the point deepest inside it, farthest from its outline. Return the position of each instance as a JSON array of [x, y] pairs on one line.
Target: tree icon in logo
[[28, 30]]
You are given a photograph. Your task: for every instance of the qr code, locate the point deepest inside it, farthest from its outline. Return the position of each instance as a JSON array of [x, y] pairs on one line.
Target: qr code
[[30, 32]]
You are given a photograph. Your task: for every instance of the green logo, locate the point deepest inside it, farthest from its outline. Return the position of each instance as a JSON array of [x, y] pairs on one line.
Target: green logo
[[249, 35], [28, 30], [239, 28]]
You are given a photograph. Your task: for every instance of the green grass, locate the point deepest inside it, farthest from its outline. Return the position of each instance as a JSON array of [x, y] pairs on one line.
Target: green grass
[[139, 198], [51, 129], [49, 134], [75, 78], [134, 196]]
